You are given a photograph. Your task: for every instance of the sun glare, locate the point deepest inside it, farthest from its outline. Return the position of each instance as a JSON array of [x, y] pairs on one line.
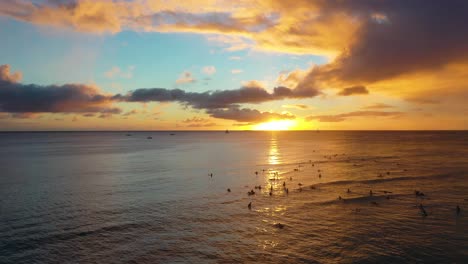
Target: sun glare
[[276, 125]]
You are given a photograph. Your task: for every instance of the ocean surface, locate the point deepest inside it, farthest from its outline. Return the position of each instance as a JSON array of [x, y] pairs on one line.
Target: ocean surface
[[108, 197]]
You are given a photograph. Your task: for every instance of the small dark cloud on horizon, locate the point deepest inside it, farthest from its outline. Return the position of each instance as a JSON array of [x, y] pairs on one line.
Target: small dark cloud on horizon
[[246, 115], [354, 90], [296, 106], [378, 106], [344, 116]]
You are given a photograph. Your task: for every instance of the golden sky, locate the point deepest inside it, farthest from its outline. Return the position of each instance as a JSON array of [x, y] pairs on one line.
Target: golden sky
[[210, 64]]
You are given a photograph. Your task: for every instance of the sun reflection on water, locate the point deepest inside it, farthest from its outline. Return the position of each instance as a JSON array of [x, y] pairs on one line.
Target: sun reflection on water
[[273, 155]]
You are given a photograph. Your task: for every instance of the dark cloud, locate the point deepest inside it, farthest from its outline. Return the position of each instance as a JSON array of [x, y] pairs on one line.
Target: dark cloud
[[297, 106], [79, 98], [398, 37], [359, 90], [24, 115], [69, 98], [216, 99], [132, 112], [246, 115], [344, 116], [378, 106], [105, 115]]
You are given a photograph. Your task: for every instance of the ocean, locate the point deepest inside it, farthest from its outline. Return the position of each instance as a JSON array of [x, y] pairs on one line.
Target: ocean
[[109, 197]]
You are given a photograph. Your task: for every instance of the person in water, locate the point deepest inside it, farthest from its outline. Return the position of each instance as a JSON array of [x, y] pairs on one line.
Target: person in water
[[423, 211]]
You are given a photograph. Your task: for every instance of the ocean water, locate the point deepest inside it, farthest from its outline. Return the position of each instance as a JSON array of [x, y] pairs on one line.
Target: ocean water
[[104, 197]]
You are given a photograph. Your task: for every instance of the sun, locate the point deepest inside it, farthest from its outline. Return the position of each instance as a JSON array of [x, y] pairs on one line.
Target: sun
[[276, 125]]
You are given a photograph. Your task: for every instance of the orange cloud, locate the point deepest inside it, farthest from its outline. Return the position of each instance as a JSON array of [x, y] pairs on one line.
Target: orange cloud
[[8, 76], [268, 25]]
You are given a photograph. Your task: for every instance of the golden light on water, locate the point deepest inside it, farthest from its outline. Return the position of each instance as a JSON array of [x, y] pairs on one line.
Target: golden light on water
[[273, 155], [276, 125]]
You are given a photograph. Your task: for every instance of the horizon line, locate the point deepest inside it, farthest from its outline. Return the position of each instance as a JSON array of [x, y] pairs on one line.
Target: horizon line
[[246, 130]]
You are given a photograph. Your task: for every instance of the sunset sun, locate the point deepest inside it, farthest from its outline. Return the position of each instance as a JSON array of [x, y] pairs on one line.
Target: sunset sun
[[276, 125]]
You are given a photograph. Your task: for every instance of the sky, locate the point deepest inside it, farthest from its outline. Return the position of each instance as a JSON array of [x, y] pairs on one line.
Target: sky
[[237, 65]]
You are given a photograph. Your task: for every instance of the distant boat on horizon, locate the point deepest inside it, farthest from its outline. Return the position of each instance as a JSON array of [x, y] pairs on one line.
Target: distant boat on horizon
[[227, 131]]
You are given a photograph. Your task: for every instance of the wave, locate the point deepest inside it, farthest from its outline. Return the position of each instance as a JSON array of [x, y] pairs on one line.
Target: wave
[[33, 242], [446, 176]]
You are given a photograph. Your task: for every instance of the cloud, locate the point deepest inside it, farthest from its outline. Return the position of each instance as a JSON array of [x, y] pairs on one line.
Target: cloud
[[105, 115], [116, 72], [25, 115], [359, 90], [344, 116], [292, 78], [246, 115], [86, 16], [222, 103], [132, 112], [268, 25], [251, 92], [236, 71], [195, 120], [112, 72], [423, 100], [211, 124], [296, 106], [69, 98], [186, 77], [376, 32], [378, 106], [209, 70], [407, 48], [8, 76], [235, 58], [198, 122], [408, 37]]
